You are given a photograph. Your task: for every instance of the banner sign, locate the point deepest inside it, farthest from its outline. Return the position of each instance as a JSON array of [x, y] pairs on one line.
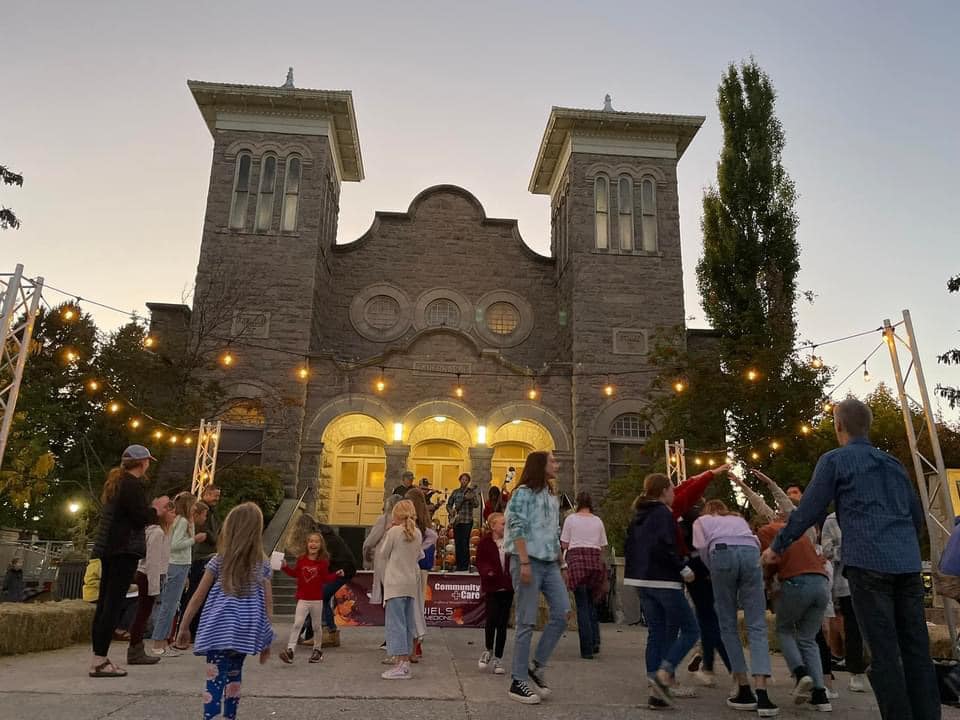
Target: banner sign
[[452, 600]]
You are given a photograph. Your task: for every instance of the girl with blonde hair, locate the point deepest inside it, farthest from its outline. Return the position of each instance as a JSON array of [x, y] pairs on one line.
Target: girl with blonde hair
[[236, 616], [398, 555], [429, 547]]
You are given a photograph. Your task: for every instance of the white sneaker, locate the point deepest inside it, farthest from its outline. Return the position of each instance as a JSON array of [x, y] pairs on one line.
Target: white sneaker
[[484, 660], [497, 667], [706, 678], [858, 684], [400, 671], [832, 694]]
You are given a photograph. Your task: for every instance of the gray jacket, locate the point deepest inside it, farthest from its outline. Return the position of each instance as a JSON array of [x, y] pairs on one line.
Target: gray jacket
[[830, 539]]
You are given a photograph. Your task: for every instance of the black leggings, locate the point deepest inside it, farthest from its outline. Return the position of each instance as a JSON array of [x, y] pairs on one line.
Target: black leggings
[[498, 617], [825, 658], [116, 574]]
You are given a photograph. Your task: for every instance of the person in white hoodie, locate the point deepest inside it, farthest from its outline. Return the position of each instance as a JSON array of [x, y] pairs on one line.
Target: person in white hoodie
[[150, 572]]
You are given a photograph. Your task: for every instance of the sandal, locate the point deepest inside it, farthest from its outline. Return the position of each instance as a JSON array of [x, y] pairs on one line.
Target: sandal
[[316, 657], [100, 671]]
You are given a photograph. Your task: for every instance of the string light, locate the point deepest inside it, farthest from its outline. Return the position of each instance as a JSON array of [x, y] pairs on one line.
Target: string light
[[608, 389], [188, 440], [775, 445], [754, 455], [149, 342], [173, 439], [711, 462], [804, 429], [71, 355], [93, 385], [114, 407], [532, 393], [752, 375], [827, 406], [679, 386], [158, 434], [303, 372], [381, 384], [866, 373], [68, 314], [697, 461], [458, 388], [227, 358], [135, 423]]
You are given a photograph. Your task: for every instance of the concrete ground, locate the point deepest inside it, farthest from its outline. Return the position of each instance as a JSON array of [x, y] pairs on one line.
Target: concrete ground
[[347, 684]]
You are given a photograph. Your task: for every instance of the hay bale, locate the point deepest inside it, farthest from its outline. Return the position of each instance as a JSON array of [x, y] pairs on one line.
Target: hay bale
[[30, 627], [940, 645]]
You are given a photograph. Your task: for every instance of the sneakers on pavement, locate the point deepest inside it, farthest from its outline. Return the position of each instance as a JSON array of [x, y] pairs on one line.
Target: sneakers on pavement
[[705, 678], [539, 681], [522, 693], [802, 687], [660, 689], [484, 660], [765, 707], [655, 703], [859, 684], [400, 671], [497, 666], [743, 700], [820, 701]]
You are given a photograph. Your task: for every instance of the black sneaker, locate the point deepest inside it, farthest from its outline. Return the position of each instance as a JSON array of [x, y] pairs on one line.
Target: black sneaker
[[820, 701], [765, 708], [539, 682], [655, 703], [838, 663], [743, 700], [522, 693]]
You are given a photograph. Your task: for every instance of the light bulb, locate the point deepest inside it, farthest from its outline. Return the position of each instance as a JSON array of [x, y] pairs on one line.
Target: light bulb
[[173, 439], [188, 440], [68, 314], [866, 374], [752, 375], [381, 385], [679, 386], [711, 462], [532, 393], [697, 461], [226, 359], [303, 372], [827, 406], [135, 423], [805, 429], [158, 434], [149, 341], [458, 391], [816, 362], [774, 445], [71, 356], [755, 455], [114, 407], [93, 386], [608, 390]]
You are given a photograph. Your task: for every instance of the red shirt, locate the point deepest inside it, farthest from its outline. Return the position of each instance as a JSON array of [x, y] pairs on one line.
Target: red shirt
[[685, 496], [311, 576]]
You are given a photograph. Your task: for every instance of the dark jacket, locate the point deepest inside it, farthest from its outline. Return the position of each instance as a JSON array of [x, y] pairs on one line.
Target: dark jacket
[[652, 555], [340, 556], [123, 520], [13, 588], [493, 575], [208, 548]]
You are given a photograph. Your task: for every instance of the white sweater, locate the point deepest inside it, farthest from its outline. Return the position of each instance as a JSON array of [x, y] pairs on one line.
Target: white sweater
[[398, 557]]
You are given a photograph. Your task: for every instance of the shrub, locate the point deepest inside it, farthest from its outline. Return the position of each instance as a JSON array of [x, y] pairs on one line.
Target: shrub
[[249, 483]]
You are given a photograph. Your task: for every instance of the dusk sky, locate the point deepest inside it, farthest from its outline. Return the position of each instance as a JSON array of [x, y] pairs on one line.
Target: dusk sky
[[116, 157]]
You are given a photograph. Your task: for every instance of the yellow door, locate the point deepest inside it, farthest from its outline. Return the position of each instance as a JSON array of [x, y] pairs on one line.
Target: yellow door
[[358, 485], [346, 500], [371, 499], [505, 456], [441, 462]]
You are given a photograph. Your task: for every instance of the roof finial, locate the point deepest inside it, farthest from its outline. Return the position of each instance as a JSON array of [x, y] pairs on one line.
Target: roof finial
[[607, 103], [289, 82]]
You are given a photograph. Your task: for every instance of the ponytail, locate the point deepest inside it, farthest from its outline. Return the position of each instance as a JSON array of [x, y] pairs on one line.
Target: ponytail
[[405, 515]]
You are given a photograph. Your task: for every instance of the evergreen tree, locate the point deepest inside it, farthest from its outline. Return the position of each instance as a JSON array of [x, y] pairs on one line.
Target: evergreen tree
[[8, 218], [951, 357]]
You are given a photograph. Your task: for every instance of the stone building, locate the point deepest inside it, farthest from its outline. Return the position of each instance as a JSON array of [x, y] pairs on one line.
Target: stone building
[[438, 341]]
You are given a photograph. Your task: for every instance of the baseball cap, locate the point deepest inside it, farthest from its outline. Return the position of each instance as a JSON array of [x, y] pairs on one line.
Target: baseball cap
[[137, 452], [424, 482]]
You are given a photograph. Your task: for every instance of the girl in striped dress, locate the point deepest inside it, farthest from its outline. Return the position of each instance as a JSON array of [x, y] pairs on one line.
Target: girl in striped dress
[[236, 617]]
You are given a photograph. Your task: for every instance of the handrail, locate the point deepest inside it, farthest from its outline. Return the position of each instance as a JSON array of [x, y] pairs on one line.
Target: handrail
[[286, 525]]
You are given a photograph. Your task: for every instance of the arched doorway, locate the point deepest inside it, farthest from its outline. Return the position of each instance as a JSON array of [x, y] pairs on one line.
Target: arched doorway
[[354, 467], [511, 443], [439, 452]]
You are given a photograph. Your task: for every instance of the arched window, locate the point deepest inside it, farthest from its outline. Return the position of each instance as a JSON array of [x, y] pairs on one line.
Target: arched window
[[268, 185], [648, 210], [625, 212], [601, 201], [241, 190], [291, 194], [628, 434], [442, 313]]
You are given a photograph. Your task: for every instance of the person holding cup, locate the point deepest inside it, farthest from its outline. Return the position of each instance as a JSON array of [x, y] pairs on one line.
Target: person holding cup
[[655, 566]]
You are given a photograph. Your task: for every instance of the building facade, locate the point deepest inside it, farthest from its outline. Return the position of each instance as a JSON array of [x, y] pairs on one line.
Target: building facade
[[438, 341]]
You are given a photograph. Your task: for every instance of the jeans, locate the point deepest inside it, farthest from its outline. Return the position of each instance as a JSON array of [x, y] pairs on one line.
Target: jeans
[[889, 609], [852, 639], [545, 578], [671, 628], [400, 625], [461, 539], [738, 582], [196, 575], [587, 624], [116, 574], [800, 609], [701, 593], [498, 617], [224, 678], [169, 601]]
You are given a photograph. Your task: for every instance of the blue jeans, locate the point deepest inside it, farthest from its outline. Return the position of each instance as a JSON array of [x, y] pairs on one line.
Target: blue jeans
[[738, 582], [329, 590], [800, 609], [169, 601], [545, 578], [889, 610], [671, 628], [587, 624], [400, 625], [461, 539]]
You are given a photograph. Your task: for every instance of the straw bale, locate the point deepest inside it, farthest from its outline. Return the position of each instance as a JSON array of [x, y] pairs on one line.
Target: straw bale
[[30, 627]]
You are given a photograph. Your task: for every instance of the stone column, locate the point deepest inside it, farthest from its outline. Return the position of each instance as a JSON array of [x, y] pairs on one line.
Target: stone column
[[565, 476], [308, 479], [480, 459], [396, 463]]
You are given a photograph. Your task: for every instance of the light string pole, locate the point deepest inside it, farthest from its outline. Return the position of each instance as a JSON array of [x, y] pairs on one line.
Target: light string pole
[[205, 464], [676, 461], [19, 305]]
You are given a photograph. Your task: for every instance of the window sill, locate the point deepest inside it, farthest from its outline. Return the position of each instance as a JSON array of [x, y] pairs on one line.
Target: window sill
[[270, 233], [629, 253]]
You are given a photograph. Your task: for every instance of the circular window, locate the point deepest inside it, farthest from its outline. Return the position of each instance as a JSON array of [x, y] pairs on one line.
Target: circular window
[[382, 312], [502, 318], [442, 313]]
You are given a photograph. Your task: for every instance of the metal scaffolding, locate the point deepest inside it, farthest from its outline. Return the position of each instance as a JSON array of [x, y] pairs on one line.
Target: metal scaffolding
[[205, 466], [931, 473], [19, 305], [676, 461]]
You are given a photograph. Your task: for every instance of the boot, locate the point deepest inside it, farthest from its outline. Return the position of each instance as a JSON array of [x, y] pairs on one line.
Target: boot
[[330, 638], [136, 655]]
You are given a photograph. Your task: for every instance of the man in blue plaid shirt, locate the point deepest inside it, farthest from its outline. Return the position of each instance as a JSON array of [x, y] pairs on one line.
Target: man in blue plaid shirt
[[880, 518]]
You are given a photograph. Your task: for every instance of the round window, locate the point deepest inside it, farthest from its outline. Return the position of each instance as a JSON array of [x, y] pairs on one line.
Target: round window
[[382, 312], [442, 313], [502, 318]]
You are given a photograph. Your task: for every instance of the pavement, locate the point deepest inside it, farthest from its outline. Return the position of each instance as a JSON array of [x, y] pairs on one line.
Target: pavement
[[446, 684]]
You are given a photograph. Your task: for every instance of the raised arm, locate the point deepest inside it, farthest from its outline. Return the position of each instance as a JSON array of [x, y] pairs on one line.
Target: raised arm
[[756, 500], [817, 498]]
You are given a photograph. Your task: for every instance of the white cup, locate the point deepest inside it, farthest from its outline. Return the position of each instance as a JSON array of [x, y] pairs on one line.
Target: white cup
[[276, 559]]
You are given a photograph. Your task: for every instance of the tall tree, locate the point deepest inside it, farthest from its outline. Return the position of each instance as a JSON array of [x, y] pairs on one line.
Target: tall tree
[[7, 217], [951, 357]]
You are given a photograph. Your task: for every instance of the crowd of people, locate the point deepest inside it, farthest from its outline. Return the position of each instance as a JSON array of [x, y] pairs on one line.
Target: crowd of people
[[694, 565]]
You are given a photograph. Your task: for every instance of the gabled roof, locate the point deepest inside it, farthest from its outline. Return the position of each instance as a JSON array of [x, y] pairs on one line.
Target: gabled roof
[[565, 121], [334, 105]]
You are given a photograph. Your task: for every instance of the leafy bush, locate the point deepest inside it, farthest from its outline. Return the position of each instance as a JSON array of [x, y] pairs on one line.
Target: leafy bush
[[617, 508], [249, 483]]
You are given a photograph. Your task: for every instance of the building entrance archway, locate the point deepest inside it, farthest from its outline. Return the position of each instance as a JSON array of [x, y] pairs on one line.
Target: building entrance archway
[[511, 443], [354, 469]]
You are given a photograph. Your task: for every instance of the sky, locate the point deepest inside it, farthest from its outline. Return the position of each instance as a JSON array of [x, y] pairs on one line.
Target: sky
[[116, 157]]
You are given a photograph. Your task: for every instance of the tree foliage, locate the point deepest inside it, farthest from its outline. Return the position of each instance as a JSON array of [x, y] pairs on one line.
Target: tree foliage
[[951, 357], [249, 483], [8, 218]]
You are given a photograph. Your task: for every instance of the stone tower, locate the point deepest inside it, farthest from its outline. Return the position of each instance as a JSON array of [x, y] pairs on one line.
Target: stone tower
[[612, 181], [279, 157]]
